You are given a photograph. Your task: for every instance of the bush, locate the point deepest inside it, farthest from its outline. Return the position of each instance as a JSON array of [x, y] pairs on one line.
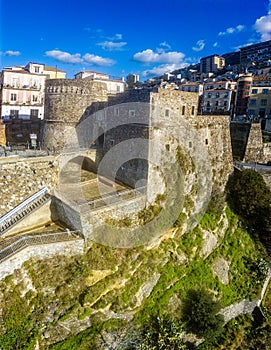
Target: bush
[[200, 312]]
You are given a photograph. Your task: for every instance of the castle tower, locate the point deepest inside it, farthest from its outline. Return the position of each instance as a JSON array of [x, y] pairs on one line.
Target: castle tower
[[66, 100]]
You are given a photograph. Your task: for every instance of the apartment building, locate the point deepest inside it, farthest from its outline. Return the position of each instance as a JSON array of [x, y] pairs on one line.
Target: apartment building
[[211, 64], [260, 52], [22, 101], [244, 84], [259, 104], [218, 100]]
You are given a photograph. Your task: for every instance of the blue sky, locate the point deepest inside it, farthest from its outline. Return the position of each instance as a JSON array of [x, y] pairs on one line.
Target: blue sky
[[145, 37]]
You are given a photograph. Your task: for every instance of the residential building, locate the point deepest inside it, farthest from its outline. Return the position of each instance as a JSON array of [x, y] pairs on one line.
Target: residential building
[[218, 100], [131, 80], [260, 52], [211, 64], [244, 84], [22, 91], [114, 86], [192, 87], [260, 101], [54, 73], [22, 100], [221, 84]]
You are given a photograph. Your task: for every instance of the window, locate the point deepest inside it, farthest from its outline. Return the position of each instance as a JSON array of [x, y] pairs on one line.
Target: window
[[15, 82], [167, 147], [131, 113], [167, 113], [116, 112], [118, 88], [217, 94], [209, 94], [263, 102], [183, 110], [252, 102], [265, 91], [225, 103], [34, 112], [14, 113], [37, 69], [206, 141], [13, 97], [34, 98], [254, 91], [193, 110], [35, 83], [216, 103], [226, 94], [190, 144]]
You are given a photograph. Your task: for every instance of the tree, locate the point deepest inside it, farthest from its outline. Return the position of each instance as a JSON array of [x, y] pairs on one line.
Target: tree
[[249, 197], [200, 312]]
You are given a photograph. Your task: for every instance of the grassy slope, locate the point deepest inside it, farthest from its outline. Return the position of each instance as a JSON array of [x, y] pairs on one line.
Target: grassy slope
[[61, 291]]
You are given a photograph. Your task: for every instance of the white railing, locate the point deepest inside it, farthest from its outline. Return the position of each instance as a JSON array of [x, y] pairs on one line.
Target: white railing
[[22, 205], [113, 198], [35, 239]]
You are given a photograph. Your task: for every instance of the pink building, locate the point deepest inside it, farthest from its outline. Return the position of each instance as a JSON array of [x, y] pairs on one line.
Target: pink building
[[22, 90]]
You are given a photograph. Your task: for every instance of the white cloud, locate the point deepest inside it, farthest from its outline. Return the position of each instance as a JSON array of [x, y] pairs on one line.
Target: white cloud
[[200, 45], [159, 70], [112, 46], [215, 44], [263, 25], [77, 58], [165, 45], [10, 53], [149, 56], [64, 56], [239, 28], [98, 60]]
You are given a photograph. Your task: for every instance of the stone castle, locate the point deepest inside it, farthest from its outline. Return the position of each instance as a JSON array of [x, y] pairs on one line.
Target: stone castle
[[143, 131]]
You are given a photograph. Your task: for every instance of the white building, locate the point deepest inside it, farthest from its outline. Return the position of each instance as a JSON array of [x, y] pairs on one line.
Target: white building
[[114, 86]]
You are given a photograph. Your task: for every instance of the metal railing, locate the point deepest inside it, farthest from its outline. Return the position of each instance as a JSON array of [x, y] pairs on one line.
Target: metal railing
[[9, 247], [23, 209], [112, 199]]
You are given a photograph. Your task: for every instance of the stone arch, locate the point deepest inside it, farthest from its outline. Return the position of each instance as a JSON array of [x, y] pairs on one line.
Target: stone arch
[[77, 169]]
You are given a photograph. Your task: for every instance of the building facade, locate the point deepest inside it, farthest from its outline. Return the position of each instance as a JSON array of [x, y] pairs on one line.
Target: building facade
[[244, 84], [211, 64], [114, 86], [218, 101], [22, 101], [260, 101], [260, 52]]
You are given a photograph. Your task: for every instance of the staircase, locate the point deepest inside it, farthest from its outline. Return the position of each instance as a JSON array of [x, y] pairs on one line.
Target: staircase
[[25, 208], [12, 245]]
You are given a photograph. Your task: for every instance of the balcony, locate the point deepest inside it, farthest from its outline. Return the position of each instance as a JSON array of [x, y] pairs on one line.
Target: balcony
[[22, 87]]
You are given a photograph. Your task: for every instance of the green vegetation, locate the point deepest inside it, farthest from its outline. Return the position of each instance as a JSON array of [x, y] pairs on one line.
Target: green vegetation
[[201, 314], [186, 297], [249, 197]]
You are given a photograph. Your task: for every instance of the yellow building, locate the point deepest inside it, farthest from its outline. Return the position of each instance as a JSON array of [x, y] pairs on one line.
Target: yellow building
[[259, 101], [54, 73]]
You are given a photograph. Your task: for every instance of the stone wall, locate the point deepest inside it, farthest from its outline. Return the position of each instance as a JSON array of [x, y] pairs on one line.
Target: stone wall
[[254, 149], [239, 138], [247, 143], [22, 177]]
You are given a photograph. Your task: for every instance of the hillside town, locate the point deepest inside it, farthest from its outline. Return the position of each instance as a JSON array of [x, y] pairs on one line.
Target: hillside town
[[237, 84]]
